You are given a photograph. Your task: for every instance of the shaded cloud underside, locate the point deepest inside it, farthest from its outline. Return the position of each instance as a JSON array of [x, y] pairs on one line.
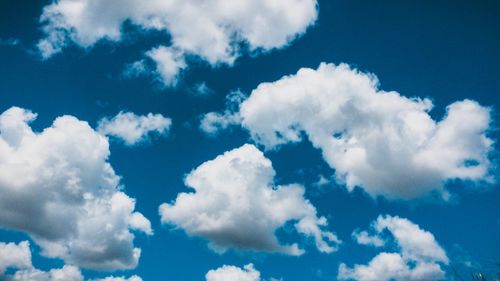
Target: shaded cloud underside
[[58, 187], [236, 205]]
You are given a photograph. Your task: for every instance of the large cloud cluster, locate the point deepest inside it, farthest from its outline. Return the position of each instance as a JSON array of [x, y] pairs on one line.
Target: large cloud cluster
[[17, 257], [381, 141], [213, 30], [236, 205], [57, 186], [419, 256]]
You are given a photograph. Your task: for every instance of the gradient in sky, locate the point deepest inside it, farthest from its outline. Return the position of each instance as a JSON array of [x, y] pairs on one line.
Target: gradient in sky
[[248, 140]]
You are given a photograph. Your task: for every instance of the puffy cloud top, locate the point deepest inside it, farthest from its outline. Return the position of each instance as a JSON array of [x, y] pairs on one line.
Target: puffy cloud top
[[14, 256], [132, 128], [66, 273], [231, 273], [419, 258], [236, 205], [381, 141], [210, 29], [57, 186]]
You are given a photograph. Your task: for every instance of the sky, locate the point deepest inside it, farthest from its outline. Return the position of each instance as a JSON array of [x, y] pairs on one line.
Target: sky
[[251, 140]]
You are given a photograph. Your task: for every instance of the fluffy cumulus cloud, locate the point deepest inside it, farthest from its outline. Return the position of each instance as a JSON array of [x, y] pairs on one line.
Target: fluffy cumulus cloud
[[234, 204], [231, 273], [383, 142], [419, 256], [57, 186], [17, 257], [132, 128], [213, 30]]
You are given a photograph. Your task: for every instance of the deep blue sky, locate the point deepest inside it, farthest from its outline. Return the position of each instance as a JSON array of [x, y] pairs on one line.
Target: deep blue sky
[[445, 50]]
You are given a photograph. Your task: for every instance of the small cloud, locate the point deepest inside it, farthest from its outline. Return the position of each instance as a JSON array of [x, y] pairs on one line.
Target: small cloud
[[201, 90], [133, 129], [213, 122], [323, 182], [364, 238], [9, 42], [135, 69], [232, 273]]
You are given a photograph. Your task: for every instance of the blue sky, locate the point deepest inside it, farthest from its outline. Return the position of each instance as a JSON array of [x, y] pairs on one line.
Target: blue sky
[[444, 51]]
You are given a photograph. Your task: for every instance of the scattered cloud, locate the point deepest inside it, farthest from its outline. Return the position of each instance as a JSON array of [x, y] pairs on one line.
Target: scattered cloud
[[236, 205], [380, 141], [131, 278], [419, 256], [232, 273], [136, 69], [364, 238], [201, 90], [133, 129], [14, 256], [163, 64], [169, 64], [66, 273], [212, 123], [215, 31], [9, 42], [57, 186], [17, 257], [322, 181]]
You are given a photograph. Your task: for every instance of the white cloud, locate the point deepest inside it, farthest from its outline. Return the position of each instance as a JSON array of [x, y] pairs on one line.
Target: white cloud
[[364, 238], [212, 30], [212, 123], [57, 186], [169, 64], [419, 258], [66, 273], [18, 258], [236, 205], [233, 273], [132, 128], [14, 256], [380, 141], [131, 278]]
